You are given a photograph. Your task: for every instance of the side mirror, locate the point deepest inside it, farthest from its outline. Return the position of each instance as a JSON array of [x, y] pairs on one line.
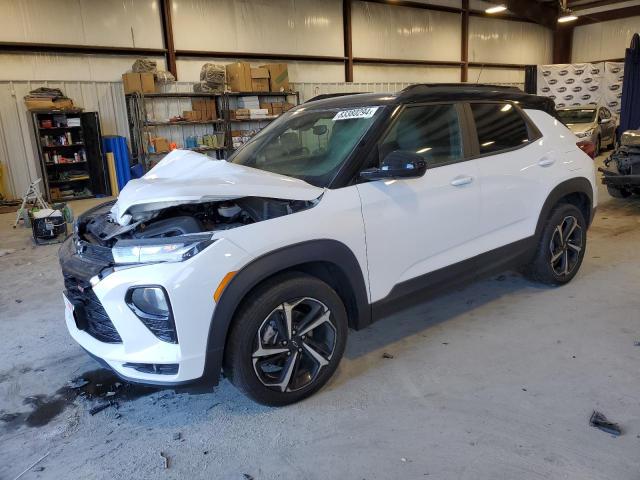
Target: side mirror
[[397, 164]]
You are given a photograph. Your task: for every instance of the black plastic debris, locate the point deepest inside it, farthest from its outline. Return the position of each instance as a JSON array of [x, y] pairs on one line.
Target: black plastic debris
[[599, 421], [387, 355], [100, 407], [165, 459]]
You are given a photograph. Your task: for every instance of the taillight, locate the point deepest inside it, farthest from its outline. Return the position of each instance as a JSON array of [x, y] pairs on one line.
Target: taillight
[[587, 147]]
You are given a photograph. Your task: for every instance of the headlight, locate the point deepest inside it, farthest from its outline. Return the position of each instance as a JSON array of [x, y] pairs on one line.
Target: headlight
[[155, 250], [586, 133]]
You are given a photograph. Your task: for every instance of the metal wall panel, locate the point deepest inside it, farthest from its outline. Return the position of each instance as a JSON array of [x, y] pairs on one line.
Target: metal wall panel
[[496, 75], [493, 40], [117, 23], [308, 27], [405, 74], [63, 67], [603, 41], [385, 31]]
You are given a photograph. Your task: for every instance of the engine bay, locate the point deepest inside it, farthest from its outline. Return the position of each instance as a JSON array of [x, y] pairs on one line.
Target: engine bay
[[99, 227]]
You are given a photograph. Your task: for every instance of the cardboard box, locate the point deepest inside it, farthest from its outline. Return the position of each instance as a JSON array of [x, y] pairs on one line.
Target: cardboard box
[[138, 82], [242, 113], [48, 104], [286, 106], [278, 76], [161, 144], [199, 104], [259, 84], [212, 111], [267, 106], [276, 109], [190, 115], [239, 77]]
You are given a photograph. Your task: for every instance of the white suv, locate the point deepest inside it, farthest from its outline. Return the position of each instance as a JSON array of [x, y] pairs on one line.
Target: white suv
[[340, 211]]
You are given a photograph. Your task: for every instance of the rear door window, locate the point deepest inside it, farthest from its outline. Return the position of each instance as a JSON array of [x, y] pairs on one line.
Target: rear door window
[[499, 127]]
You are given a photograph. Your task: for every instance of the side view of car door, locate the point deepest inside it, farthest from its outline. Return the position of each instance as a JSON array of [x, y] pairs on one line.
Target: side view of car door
[[414, 226]]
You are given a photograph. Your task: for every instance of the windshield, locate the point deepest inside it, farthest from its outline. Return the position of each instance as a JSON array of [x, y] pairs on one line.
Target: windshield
[[310, 145], [578, 115]]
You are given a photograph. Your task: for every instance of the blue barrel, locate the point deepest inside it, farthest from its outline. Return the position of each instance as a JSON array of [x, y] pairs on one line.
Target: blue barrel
[[118, 146]]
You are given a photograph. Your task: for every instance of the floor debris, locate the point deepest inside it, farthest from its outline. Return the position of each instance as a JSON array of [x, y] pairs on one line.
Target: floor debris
[[165, 459], [102, 406], [247, 476], [387, 355], [6, 251], [32, 465], [599, 421], [177, 436]]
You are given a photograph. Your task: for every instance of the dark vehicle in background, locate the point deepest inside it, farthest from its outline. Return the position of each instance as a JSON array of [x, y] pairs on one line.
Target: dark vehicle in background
[[624, 179]]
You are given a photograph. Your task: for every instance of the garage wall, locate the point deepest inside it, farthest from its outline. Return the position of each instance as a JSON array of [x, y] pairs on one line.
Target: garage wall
[[306, 27], [603, 41]]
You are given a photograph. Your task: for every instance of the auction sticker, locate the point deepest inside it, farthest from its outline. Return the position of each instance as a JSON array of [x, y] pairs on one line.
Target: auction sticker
[[364, 112]]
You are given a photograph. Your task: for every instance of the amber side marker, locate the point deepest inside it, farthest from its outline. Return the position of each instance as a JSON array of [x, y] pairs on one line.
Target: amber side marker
[[223, 284]]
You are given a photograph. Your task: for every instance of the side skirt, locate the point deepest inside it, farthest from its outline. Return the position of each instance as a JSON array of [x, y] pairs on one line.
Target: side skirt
[[419, 289]]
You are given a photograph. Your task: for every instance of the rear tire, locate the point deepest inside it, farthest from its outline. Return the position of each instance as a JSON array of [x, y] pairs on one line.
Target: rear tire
[[274, 353], [618, 192], [561, 247]]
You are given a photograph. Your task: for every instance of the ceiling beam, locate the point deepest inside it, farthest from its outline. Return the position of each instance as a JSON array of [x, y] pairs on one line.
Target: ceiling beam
[[608, 15], [28, 47], [576, 7], [541, 13]]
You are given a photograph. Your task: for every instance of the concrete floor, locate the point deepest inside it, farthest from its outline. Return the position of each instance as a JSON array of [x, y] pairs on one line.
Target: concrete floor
[[495, 381]]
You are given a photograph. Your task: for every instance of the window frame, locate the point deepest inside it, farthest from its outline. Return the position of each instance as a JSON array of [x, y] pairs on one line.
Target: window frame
[[464, 134], [533, 132]]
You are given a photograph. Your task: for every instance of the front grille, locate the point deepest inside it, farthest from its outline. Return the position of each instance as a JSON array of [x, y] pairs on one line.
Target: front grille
[[97, 253], [97, 322]]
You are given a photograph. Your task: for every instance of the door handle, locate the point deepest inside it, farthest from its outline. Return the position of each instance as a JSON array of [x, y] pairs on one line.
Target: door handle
[[546, 162], [461, 180]]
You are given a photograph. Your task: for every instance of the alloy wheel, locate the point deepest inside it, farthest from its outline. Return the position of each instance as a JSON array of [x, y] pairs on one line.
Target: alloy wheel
[[565, 246], [293, 344]]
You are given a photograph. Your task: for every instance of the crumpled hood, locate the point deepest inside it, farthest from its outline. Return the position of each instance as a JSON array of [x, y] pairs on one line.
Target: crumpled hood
[[189, 177]]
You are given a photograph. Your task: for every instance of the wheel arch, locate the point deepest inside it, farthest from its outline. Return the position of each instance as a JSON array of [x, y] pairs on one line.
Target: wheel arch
[[330, 260], [576, 191]]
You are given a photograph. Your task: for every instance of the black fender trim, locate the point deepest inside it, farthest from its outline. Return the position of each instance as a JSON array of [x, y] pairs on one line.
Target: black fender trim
[[578, 185], [324, 251]]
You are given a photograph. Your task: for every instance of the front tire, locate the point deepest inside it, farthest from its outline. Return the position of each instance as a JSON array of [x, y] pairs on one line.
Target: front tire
[[560, 248], [287, 339]]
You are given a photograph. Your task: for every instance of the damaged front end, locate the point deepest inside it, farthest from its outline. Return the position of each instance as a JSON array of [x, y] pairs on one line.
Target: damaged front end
[[171, 234], [624, 178]]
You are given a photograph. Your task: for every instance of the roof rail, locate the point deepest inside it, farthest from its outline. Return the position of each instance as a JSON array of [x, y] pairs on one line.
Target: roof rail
[[460, 85], [332, 95]]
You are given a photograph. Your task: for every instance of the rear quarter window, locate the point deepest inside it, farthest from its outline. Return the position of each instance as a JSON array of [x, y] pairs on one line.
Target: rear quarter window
[[499, 126]]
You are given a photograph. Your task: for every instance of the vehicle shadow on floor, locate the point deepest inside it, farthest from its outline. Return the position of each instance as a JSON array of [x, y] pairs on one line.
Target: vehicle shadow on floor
[[404, 329]]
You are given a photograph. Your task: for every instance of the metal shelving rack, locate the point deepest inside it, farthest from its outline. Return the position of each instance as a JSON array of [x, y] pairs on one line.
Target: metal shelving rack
[[88, 164], [140, 126]]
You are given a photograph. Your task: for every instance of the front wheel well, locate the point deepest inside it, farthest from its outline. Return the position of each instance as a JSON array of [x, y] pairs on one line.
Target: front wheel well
[[333, 276]]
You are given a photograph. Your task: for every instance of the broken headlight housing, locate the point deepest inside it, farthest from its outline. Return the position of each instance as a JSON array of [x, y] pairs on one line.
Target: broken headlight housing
[[158, 250]]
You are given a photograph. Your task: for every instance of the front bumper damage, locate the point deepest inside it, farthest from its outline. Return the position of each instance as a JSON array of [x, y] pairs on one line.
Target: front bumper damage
[[99, 319]]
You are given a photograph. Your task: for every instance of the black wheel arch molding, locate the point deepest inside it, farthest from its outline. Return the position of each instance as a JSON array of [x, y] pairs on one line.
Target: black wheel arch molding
[[577, 190], [330, 260]]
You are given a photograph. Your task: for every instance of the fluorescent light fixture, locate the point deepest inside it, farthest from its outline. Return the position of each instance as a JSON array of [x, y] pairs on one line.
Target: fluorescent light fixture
[[423, 150], [496, 9], [567, 17], [506, 108], [486, 144]]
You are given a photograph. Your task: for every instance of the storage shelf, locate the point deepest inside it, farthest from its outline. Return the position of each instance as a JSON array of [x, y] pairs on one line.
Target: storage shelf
[[175, 95], [196, 149], [249, 120], [58, 182], [261, 94], [198, 122], [64, 146], [72, 197], [58, 128], [51, 164]]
